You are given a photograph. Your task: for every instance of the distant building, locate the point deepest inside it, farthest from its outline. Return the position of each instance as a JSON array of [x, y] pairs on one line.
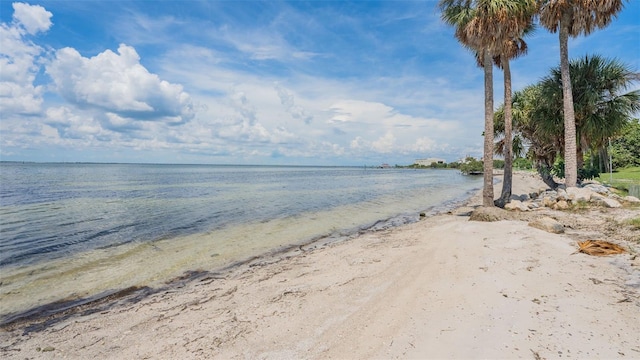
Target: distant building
[[429, 161]]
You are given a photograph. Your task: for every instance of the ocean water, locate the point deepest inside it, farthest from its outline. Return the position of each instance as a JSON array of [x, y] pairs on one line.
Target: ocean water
[[71, 231]]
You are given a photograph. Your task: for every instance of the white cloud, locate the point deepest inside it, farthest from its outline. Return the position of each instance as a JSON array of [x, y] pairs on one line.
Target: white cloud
[[287, 100], [273, 83], [359, 111], [263, 44], [118, 84], [72, 125], [384, 144], [357, 143], [22, 99], [17, 56], [19, 60], [33, 18], [424, 145]]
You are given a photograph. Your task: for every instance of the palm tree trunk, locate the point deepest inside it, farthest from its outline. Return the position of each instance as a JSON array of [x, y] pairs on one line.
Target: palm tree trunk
[[487, 192], [507, 179], [570, 160], [602, 164], [580, 146], [545, 174], [604, 159]]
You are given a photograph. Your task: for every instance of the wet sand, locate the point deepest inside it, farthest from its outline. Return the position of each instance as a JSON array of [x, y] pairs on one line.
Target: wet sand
[[444, 287]]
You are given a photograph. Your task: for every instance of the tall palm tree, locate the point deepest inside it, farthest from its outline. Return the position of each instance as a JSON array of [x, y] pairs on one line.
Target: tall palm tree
[[510, 49], [484, 26], [573, 18], [460, 13]]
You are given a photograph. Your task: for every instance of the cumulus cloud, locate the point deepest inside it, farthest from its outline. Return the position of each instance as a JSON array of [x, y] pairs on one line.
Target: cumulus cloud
[[19, 60], [424, 144], [107, 95], [110, 102], [33, 18], [384, 144], [119, 84], [22, 99], [72, 125]]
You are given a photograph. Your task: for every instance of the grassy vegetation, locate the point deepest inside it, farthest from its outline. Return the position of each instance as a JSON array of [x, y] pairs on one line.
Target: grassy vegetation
[[622, 178], [580, 206], [635, 223], [626, 174]]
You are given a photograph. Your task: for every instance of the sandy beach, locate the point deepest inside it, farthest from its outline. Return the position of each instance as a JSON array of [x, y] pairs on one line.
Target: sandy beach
[[445, 287]]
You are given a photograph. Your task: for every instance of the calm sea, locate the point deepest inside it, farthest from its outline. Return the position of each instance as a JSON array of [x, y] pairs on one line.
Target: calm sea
[[71, 231]]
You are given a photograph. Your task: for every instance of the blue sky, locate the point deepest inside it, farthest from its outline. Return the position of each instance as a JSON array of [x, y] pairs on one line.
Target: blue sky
[[254, 82]]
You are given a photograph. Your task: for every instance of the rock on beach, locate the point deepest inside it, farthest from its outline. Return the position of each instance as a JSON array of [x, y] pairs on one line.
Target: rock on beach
[[562, 199], [547, 224]]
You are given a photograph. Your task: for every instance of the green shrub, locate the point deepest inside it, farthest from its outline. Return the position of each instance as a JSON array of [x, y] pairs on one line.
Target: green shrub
[[585, 173], [523, 164], [471, 165]]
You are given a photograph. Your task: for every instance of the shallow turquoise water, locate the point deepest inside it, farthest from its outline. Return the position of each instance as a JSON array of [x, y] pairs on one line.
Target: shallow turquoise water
[[75, 230]]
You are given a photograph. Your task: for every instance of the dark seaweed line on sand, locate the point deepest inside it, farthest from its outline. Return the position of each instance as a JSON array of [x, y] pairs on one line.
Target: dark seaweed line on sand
[[42, 317]]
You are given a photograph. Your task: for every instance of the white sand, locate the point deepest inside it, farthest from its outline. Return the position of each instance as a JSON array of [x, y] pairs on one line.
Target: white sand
[[445, 287]]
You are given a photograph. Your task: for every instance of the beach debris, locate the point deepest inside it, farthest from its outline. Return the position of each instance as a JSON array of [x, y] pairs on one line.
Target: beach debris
[[599, 248], [45, 349], [536, 355]]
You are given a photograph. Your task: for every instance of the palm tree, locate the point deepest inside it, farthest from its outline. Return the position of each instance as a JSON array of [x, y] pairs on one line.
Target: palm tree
[[601, 106], [540, 137], [518, 143], [573, 18], [511, 49], [484, 26], [460, 13]]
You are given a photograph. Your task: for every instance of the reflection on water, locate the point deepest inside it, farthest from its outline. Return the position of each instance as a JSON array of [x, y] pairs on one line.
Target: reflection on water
[[75, 230]]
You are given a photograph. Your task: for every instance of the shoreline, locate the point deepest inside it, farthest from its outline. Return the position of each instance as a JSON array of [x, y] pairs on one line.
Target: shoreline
[[440, 287], [154, 249], [51, 312]]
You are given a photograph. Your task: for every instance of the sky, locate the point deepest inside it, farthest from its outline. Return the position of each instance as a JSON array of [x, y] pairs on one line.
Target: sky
[[255, 82]]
